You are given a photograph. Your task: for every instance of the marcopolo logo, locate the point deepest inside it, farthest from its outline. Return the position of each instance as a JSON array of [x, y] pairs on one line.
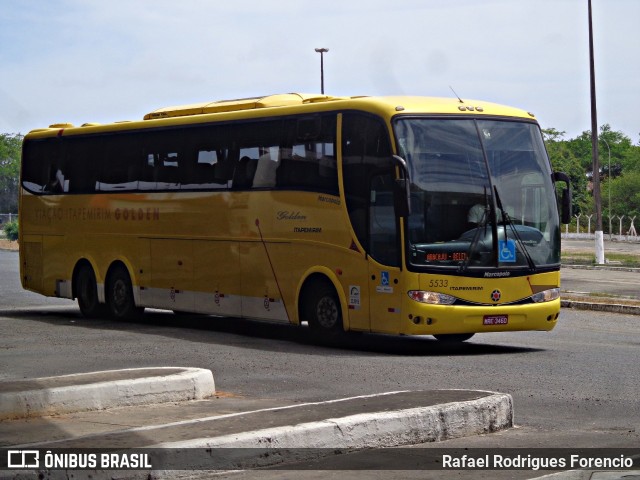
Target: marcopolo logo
[[23, 459]]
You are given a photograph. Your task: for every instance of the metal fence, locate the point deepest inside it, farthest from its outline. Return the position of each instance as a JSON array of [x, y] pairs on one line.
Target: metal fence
[[621, 227], [8, 218]]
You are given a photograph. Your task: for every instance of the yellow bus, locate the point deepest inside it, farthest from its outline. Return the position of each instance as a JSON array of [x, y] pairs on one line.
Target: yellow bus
[[396, 215]]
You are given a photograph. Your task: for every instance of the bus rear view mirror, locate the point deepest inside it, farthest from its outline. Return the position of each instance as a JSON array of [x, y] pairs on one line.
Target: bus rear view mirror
[[565, 201], [402, 191]]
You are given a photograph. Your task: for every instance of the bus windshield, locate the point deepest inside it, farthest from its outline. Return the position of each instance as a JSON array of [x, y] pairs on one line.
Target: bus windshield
[[481, 195]]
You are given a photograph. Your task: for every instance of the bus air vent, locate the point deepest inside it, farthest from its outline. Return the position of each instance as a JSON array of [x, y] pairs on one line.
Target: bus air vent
[[221, 106]]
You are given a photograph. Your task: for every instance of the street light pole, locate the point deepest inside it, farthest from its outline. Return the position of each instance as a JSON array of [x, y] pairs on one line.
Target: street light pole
[[609, 184], [594, 149], [322, 51]]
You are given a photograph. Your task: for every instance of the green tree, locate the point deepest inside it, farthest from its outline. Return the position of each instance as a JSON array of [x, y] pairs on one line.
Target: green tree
[[625, 194], [619, 170], [616, 149], [10, 147], [563, 159]]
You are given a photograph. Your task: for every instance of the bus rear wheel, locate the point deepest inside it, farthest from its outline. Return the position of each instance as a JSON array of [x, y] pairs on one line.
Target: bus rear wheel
[[323, 310], [87, 293], [454, 337], [119, 294]]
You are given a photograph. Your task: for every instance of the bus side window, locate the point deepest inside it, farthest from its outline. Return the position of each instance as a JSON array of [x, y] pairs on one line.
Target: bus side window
[[203, 173], [56, 181], [298, 168], [308, 159], [204, 170], [244, 171], [164, 164], [162, 171], [35, 167], [382, 227], [268, 163], [82, 157], [223, 169], [120, 168], [368, 178]]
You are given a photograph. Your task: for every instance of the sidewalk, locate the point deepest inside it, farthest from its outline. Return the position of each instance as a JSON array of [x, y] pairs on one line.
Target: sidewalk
[[228, 433], [102, 390], [252, 432], [601, 288]]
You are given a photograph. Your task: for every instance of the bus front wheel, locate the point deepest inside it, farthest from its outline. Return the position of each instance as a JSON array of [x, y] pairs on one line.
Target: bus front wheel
[[323, 310], [119, 294], [87, 293]]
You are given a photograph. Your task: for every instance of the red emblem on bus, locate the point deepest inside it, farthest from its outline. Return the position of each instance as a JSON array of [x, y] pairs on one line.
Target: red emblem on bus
[[495, 295]]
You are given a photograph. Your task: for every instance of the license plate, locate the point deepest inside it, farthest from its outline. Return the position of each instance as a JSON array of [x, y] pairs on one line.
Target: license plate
[[495, 319]]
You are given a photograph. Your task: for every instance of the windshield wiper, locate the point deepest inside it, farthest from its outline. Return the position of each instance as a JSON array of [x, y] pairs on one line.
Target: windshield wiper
[[506, 220]]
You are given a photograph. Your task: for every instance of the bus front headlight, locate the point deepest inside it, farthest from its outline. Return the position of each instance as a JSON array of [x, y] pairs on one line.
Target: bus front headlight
[[433, 298], [546, 296]]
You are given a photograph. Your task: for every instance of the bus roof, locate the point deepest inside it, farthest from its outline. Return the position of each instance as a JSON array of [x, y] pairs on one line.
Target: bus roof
[[293, 103]]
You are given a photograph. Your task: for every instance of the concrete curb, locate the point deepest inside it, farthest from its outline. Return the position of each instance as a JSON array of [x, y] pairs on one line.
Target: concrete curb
[[601, 307], [102, 390], [611, 268], [353, 432], [315, 439], [591, 475]]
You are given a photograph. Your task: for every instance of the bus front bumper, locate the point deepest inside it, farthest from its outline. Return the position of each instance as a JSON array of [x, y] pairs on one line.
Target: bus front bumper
[[445, 319]]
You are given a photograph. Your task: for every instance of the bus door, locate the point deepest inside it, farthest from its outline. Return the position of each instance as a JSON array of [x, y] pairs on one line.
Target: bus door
[[369, 180], [384, 256]]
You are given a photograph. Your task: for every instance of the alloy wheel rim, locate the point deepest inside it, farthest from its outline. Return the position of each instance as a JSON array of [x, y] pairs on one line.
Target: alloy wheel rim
[[327, 312]]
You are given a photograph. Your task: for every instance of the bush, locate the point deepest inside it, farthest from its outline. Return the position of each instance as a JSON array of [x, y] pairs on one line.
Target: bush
[[11, 230]]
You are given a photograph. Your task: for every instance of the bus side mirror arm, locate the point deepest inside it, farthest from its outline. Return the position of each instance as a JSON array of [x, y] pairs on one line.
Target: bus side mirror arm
[[402, 191], [565, 214]]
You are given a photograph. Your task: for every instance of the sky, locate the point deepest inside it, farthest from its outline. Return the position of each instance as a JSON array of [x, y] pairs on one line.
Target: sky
[[101, 61]]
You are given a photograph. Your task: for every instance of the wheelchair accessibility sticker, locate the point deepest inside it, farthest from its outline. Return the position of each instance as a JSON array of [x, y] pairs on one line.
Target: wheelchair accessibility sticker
[[385, 286], [507, 251]]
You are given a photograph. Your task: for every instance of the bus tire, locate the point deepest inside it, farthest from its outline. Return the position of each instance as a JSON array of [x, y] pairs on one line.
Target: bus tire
[[119, 294], [454, 337], [322, 309], [86, 290]]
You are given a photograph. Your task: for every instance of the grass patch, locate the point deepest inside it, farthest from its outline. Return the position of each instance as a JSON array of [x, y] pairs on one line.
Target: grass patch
[[575, 258], [614, 259]]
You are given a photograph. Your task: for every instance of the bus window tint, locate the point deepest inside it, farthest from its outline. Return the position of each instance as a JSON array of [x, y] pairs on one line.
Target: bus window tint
[[163, 151], [308, 158], [39, 164], [288, 154], [211, 170], [266, 166], [368, 173], [121, 165]]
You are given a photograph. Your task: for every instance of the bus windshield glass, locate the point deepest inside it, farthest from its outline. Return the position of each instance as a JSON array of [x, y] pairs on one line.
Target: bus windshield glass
[[481, 195]]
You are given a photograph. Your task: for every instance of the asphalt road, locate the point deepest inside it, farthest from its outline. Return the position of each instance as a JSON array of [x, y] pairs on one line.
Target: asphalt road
[[632, 248], [613, 283], [576, 386]]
